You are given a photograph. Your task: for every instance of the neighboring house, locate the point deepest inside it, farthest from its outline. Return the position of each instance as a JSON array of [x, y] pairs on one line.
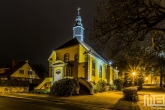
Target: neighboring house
[[19, 70], [76, 59], [152, 79]]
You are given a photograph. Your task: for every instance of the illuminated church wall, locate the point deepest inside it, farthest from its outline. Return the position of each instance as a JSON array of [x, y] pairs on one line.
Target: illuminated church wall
[[71, 50], [98, 63], [81, 55]]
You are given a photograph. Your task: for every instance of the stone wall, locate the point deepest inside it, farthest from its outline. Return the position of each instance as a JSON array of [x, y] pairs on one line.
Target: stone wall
[[6, 89]]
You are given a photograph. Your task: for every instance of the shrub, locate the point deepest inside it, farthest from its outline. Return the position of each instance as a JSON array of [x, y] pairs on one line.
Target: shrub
[[100, 86], [95, 90], [118, 83], [139, 87], [113, 87], [64, 87], [130, 94]]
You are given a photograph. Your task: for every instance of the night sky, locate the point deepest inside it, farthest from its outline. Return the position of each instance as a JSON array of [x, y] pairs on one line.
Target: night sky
[[31, 29]]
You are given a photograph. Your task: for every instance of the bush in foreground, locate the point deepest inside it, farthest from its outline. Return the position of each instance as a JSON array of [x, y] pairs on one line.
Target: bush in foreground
[[130, 94], [64, 87]]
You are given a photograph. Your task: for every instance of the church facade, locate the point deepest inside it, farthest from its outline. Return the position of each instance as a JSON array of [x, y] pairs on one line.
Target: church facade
[[76, 59]]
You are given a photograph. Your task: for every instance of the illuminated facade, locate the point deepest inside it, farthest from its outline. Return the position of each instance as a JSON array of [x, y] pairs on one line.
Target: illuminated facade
[[76, 59]]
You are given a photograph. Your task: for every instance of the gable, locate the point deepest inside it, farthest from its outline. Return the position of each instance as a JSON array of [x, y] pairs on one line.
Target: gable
[[25, 68], [70, 50], [76, 41]]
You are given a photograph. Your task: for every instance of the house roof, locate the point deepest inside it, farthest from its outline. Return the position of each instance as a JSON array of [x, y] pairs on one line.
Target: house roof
[[75, 41], [12, 70], [15, 68]]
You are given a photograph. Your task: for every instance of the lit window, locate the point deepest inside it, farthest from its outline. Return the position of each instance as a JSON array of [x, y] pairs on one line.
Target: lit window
[[105, 72], [68, 72], [100, 72], [76, 57], [21, 71], [93, 67], [66, 57]]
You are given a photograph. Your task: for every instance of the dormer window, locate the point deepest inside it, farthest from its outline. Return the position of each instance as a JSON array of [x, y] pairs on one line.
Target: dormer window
[[66, 57]]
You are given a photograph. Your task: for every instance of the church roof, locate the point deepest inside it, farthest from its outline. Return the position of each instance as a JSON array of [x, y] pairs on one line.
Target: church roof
[[75, 41], [71, 42]]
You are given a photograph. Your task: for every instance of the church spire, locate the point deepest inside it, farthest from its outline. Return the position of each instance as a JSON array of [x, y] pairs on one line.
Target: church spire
[[78, 30]]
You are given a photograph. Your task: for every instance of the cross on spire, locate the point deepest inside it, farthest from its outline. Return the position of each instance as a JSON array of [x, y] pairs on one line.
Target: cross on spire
[[78, 9]]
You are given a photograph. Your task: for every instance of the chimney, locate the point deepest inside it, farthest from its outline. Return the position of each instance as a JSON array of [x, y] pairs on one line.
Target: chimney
[[14, 63]]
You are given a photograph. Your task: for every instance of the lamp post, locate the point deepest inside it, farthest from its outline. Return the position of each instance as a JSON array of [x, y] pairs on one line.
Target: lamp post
[[146, 79], [133, 77]]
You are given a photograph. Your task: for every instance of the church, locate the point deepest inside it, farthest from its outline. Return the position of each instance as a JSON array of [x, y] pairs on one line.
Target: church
[[76, 59]]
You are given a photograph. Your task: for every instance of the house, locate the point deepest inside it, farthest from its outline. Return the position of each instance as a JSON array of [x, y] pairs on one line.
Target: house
[[76, 59], [19, 70], [152, 79]]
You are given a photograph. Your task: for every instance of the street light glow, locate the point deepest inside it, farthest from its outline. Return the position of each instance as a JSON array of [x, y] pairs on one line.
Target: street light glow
[[134, 73]]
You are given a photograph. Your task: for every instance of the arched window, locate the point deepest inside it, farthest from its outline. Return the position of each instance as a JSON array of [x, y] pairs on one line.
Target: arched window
[[76, 57], [100, 72], [66, 57], [93, 67]]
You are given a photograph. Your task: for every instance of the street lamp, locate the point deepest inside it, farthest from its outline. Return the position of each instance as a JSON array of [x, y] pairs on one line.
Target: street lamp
[[146, 79], [133, 77]]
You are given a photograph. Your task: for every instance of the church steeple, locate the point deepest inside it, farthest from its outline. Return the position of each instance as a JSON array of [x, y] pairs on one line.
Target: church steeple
[[78, 30]]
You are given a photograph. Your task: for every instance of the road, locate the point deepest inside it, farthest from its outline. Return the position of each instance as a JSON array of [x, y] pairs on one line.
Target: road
[[8, 103]]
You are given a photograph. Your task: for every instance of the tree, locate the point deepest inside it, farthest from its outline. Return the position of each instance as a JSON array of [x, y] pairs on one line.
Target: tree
[[119, 24]]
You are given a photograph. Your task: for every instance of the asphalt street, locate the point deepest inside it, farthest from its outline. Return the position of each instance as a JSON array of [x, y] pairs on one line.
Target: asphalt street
[[8, 103]]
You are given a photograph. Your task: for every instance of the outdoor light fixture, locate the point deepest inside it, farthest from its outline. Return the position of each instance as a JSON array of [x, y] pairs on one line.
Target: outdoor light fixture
[[133, 77], [133, 73]]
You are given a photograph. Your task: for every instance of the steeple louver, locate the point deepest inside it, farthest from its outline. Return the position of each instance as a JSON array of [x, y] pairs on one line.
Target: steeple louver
[[78, 30]]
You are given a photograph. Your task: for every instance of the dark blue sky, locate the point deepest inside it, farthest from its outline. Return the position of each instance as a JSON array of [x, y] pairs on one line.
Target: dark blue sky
[[31, 29]]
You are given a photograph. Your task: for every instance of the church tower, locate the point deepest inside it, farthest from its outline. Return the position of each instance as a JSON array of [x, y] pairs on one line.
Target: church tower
[[78, 30]]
